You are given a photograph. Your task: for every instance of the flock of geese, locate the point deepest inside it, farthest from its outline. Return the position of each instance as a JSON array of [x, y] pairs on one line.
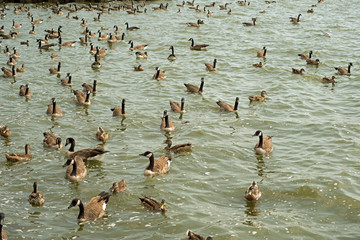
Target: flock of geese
[[75, 165]]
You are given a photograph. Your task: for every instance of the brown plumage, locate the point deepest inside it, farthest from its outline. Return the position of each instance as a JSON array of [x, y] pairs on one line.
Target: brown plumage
[[54, 110], [328, 80], [101, 135], [259, 65], [25, 91], [195, 89], [260, 98], [7, 73], [295, 20], [298, 71], [178, 107], [36, 198], [85, 154], [66, 44], [225, 107], [5, 131], [17, 157], [21, 69], [159, 74], [141, 55], [11, 62], [16, 26], [89, 87], [159, 166], [55, 70], [46, 47], [344, 71], [253, 192], [198, 46], [304, 56], [82, 98], [54, 55], [118, 186], [52, 141], [264, 145], [137, 47], [262, 53], [67, 81], [249, 24], [313, 62], [166, 123], [152, 204], [192, 24], [211, 67], [183, 147], [119, 111], [131, 28], [3, 235], [138, 68], [193, 236], [117, 29], [76, 169]]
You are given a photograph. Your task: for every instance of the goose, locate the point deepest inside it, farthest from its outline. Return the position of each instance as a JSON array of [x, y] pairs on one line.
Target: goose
[[37, 21], [2, 29], [16, 26], [45, 47], [313, 62], [82, 98], [310, 10], [210, 5], [190, 3], [7, 50], [166, 123], [10, 36], [96, 64], [102, 37], [193, 236], [52, 141], [197, 47], [249, 24], [5, 131], [298, 71], [92, 49], [118, 186], [89, 87], [229, 12], [137, 47], [260, 98], [152, 204], [259, 65], [130, 28], [94, 209], [21, 69], [15, 53], [200, 10], [177, 148], [195, 89], [101, 135], [67, 81], [264, 145], [243, 3], [52, 56], [91, 35], [262, 53], [25, 91], [304, 56], [141, 55], [172, 56], [158, 8], [85, 154], [9, 72], [55, 70], [295, 20], [165, 7], [253, 192], [192, 24], [181, 5], [328, 79], [119, 111], [83, 22], [138, 68], [121, 38], [117, 29], [209, 13], [84, 40], [178, 107], [159, 166], [225, 107], [159, 75], [36, 198], [211, 67], [3, 235], [101, 52], [66, 44], [97, 19], [11, 61], [17, 157], [54, 110], [76, 169], [343, 71], [112, 38]]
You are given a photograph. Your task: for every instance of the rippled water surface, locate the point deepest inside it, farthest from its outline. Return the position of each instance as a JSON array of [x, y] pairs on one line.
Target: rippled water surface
[[310, 183]]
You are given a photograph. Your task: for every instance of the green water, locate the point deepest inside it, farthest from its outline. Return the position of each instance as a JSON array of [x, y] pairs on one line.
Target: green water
[[310, 183]]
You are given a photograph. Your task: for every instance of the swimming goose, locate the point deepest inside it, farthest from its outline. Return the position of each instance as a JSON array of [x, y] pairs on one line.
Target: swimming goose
[[166, 123], [225, 107], [209, 13], [16, 26], [243, 3], [45, 47], [102, 37], [119, 111], [343, 71], [328, 80], [112, 38], [54, 110], [16, 157], [211, 67], [7, 50], [11, 62], [84, 40], [37, 21], [200, 10], [195, 89], [192, 24], [21, 69], [101, 52], [229, 12], [9, 72], [183, 147], [15, 53], [52, 56], [52, 141], [76, 169], [5, 131], [118, 186], [66, 44], [94, 209], [259, 65], [264, 145], [197, 47], [295, 20], [172, 56], [190, 3], [260, 98], [138, 68], [152, 204], [96, 64], [85, 154], [159, 75], [36, 198], [10, 36], [313, 62], [117, 29], [310, 10], [92, 49], [159, 166], [253, 192], [262, 53], [25, 91], [304, 56], [178, 107], [55, 70], [83, 22], [298, 71], [101, 135], [181, 5], [67, 81], [82, 98], [193, 236], [249, 24], [130, 28], [97, 19], [137, 47], [141, 55], [3, 235], [121, 38], [89, 87]]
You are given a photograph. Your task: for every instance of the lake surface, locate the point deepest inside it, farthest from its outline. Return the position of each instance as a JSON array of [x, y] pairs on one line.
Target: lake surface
[[310, 183]]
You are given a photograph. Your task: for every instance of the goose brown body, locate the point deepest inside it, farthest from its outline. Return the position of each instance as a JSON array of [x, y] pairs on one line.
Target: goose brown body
[[54, 110], [264, 145], [183, 147], [193, 236], [178, 107], [257, 98], [195, 89], [253, 192], [198, 46], [225, 107], [85, 154], [76, 169], [3, 235], [152, 204], [52, 141], [166, 123], [5, 131], [17, 157], [161, 165], [119, 111], [36, 198], [101, 135], [118, 186], [211, 67], [344, 71], [298, 71]]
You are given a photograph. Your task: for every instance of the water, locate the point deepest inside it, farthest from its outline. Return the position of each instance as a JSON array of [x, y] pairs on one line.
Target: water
[[310, 183]]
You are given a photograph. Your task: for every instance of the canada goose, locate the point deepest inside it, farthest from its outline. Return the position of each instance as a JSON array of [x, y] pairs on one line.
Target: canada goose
[[177, 148], [229, 12], [192, 24], [96, 64], [85, 154], [7, 50], [9, 72], [159, 166], [101, 52], [262, 53], [117, 30], [91, 35], [15, 53], [121, 38], [16, 157], [343, 71], [130, 28], [249, 24], [52, 141], [10, 36], [118, 186], [25, 91], [181, 5], [165, 7], [67, 81], [264, 145], [172, 56], [55, 70], [54, 110], [223, 7], [2, 29], [101, 135], [313, 62], [112, 38], [243, 3], [193, 236], [195, 89], [94, 209], [159, 75], [298, 71], [119, 111], [152, 204], [11, 61], [89, 87], [102, 37], [36, 198], [295, 20], [82, 98], [45, 47], [20, 69], [66, 44], [190, 3], [141, 55], [5, 131], [178, 107], [54, 56], [304, 56], [138, 68], [138, 47], [225, 107], [197, 47], [76, 169], [97, 19], [253, 192], [158, 8], [310, 11], [84, 40], [259, 65], [92, 49], [37, 21], [16, 26], [209, 13], [328, 80], [260, 98], [83, 22], [211, 67], [166, 123], [3, 235]]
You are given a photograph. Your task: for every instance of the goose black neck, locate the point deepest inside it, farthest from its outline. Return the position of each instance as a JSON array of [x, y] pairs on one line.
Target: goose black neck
[[27, 91], [73, 173], [59, 65], [201, 86], [94, 86], [265, 52], [157, 74], [123, 107], [310, 54], [298, 18], [166, 121], [131, 44], [81, 213], [192, 42], [13, 70], [72, 146], [214, 64], [261, 141], [35, 188], [87, 99], [349, 68], [54, 107], [172, 51], [151, 165], [69, 81], [182, 105], [1, 237], [123, 36], [236, 105]]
